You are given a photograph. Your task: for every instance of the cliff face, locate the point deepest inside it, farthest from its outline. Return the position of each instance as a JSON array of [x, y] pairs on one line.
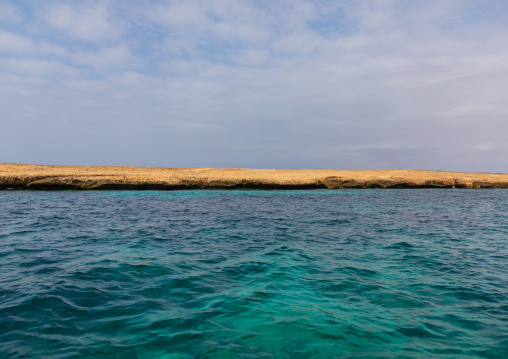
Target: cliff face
[[19, 176]]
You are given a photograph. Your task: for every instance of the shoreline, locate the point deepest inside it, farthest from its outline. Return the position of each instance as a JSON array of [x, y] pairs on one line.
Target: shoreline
[[49, 177]]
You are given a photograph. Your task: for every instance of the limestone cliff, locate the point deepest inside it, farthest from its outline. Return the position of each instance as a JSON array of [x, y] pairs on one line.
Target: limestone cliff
[[43, 177]]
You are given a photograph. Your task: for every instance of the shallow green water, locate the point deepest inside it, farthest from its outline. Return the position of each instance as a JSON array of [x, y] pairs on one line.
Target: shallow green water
[[254, 274]]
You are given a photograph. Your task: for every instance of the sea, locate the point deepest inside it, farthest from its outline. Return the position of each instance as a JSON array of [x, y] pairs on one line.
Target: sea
[[373, 273]]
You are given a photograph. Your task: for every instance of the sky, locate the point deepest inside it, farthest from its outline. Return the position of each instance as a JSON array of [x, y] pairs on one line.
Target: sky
[[300, 84]]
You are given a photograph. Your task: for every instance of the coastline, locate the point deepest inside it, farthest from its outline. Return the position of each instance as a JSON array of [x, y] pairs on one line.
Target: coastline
[[49, 177]]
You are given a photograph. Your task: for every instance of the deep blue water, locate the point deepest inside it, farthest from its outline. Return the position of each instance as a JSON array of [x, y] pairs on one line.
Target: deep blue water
[[254, 274]]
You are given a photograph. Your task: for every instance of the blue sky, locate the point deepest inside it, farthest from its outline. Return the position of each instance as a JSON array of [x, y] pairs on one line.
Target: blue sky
[[259, 84]]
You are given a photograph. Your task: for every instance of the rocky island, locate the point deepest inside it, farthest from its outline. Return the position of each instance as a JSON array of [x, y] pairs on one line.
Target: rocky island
[[46, 177]]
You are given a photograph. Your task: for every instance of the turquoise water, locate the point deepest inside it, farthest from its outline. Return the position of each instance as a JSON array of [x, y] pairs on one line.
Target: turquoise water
[[254, 274]]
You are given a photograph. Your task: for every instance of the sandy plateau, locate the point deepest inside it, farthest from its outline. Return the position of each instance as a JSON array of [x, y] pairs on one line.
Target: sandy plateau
[[44, 177]]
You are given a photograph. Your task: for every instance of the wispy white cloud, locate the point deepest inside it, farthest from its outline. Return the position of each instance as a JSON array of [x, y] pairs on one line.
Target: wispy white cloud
[[48, 48], [41, 68], [9, 13], [109, 58], [183, 14], [83, 21], [12, 43]]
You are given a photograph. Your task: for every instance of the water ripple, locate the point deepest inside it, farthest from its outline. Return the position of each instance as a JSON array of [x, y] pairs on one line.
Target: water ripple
[[254, 274]]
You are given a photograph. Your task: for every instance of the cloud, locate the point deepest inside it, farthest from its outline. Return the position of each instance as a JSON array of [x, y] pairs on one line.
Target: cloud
[[21, 45], [118, 57], [9, 13], [483, 147], [37, 67], [300, 84], [83, 22], [181, 14], [12, 43], [47, 48]]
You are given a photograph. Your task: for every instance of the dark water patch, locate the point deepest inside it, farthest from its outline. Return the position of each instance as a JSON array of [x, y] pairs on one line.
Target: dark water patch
[[401, 245]]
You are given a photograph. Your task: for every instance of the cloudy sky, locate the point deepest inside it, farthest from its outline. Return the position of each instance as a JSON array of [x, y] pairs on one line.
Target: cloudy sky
[[340, 84]]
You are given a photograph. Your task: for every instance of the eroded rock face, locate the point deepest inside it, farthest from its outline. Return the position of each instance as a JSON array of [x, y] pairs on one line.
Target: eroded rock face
[[332, 182], [19, 176], [442, 183]]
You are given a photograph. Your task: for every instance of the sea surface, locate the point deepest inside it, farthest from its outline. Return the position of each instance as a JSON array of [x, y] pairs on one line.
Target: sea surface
[[254, 274]]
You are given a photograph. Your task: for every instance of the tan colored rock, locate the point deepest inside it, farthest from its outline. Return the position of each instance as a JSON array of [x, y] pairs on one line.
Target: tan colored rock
[[97, 178]]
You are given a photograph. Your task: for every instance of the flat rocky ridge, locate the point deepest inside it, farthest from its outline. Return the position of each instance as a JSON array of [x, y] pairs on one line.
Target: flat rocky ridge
[[44, 177]]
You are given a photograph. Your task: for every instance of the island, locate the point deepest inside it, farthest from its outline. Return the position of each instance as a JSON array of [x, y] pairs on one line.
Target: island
[[48, 177]]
